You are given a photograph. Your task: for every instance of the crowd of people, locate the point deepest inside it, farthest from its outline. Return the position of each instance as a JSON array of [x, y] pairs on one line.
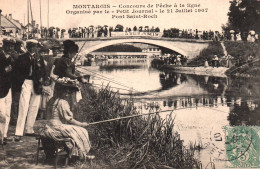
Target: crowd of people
[[107, 31], [210, 61], [173, 59], [231, 35], [24, 78]]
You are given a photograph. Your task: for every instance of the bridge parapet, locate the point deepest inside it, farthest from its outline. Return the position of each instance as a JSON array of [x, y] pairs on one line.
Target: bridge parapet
[[187, 47], [139, 37]]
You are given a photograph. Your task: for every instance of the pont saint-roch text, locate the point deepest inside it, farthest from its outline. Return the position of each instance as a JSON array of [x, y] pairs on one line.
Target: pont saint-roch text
[[120, 11]]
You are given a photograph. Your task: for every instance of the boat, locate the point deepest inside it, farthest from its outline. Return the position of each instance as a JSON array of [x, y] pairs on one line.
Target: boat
[[198, 70]]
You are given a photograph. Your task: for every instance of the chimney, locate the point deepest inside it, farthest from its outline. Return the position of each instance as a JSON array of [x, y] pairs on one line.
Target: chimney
[[10, 16]]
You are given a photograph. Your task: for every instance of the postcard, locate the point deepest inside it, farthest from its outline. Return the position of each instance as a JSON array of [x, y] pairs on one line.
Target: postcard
[[130, 84]]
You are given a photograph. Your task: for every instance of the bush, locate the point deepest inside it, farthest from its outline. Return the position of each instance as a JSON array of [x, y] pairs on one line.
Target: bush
[[241, 51], [214, 48], [134, 142]]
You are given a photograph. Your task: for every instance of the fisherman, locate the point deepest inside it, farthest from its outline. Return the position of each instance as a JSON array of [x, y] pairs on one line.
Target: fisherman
[[6, 68], [30, 73], [229, 61], [215, 61], [206, 63]]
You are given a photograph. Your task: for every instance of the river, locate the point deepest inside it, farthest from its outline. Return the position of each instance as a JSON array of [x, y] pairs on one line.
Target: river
[[203, 105]]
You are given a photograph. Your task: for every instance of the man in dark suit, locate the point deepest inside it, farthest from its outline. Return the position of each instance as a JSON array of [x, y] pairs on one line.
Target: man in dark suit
[[6, 67], [29, 73]]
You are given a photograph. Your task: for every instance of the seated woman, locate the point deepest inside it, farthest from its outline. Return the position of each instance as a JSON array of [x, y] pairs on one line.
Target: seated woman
[[62, 126]]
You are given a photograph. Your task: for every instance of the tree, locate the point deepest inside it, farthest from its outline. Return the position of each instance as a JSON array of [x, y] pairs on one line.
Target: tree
[[135, 28], [119, 28], [157, 29], [243, 16]]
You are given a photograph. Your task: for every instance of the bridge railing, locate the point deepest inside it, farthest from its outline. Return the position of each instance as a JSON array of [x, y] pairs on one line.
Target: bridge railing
[[137, 33]]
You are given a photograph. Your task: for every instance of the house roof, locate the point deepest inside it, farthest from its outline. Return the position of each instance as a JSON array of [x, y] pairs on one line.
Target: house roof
[[6, 23], [17, 23], [28, 24]]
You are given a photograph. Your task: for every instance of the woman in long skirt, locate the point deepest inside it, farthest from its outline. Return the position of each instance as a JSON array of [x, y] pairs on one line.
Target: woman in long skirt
[[62, 126]]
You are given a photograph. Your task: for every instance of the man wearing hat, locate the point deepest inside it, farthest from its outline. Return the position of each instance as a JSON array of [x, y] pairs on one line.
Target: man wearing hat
[[30, 73], [6, 67]]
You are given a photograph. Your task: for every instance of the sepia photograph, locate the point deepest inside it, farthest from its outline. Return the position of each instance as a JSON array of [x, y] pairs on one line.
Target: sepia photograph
[[140, 84]]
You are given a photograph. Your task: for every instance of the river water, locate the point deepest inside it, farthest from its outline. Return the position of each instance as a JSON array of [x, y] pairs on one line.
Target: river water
[[203, 105]]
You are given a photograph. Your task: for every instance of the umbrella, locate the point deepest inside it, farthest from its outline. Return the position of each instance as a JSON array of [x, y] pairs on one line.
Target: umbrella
[[105, 26], [91, 26]]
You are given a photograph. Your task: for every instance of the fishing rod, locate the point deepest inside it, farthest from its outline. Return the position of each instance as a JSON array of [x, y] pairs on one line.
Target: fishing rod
[[244, 65], [137, 115], [76, 57], [127, 117]]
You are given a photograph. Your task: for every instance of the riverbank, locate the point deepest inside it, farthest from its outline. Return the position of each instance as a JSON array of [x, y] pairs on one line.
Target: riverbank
[[243, 62], [247, 56]]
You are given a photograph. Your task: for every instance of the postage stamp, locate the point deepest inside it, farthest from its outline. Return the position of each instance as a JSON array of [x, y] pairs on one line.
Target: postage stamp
[[242, 146]]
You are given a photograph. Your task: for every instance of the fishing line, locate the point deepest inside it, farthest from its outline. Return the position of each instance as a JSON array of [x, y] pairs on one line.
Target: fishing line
[[118, 83], [105, 78], [96, 85], [131, 88]]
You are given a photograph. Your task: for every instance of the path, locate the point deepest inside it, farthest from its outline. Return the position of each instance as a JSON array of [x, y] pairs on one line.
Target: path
[[224, 48]]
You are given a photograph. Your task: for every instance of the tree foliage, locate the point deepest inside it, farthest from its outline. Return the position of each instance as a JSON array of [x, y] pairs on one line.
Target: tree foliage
[[243, 15], [119, 28]]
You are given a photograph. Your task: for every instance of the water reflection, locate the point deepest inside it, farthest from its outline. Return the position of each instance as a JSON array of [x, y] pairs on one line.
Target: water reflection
[[170, 79], [183, 90], [201, 104], [246, 113]]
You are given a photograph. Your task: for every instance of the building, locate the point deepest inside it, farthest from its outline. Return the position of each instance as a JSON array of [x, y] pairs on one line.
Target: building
[[30, 26], [11, 26], [150, 50]]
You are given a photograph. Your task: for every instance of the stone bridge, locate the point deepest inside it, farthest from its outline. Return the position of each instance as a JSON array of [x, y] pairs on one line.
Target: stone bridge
[[187, 47]]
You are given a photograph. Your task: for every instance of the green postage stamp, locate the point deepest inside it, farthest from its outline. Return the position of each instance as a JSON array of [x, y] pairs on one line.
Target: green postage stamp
[[242, 146]]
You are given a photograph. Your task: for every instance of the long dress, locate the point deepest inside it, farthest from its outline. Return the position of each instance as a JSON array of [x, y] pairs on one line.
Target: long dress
[[56, 129]]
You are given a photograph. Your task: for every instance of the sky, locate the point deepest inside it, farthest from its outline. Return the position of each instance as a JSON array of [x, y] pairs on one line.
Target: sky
[[215, 16]]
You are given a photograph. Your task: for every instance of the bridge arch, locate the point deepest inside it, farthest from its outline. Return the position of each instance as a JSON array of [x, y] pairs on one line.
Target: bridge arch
[[146, 41]]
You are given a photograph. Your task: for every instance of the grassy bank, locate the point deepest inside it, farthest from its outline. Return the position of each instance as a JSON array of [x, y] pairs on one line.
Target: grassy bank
[[214, 48], [241, 51], [140, 142]]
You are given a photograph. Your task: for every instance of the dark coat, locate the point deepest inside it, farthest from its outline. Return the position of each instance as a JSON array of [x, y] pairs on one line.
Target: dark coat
[[64, 68], [5, 77], [22, 70]]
